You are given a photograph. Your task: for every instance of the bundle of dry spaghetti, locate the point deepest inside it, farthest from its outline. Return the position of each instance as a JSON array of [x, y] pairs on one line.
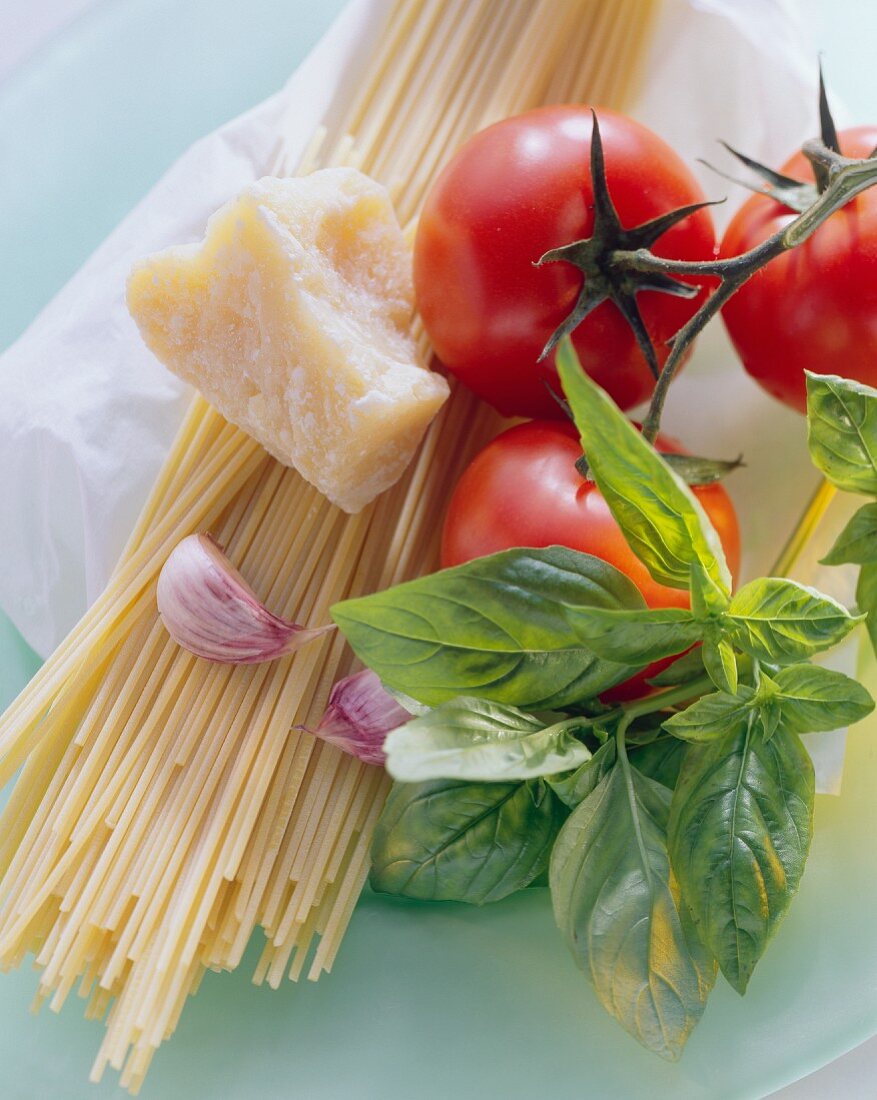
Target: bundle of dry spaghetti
[[167, 807]]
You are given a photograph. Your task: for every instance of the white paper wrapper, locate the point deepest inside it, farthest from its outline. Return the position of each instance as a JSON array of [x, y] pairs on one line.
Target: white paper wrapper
[[87, 414]]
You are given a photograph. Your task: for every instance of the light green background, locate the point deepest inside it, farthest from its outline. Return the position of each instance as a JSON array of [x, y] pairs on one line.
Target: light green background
[[427, 1001]]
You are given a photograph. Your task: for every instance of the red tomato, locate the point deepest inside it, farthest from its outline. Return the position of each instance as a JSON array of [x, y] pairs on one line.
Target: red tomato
[[523, 490], [814, 308], [511, 193]]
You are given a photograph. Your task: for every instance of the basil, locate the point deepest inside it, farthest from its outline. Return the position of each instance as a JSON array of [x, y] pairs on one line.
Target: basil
[[842, 431], [857, 543], [637, 637], [739, 832], [468, 738], [660, 759], [866, 598], [617, 905], [444, 840], [658, 514], [720, 662], [780, 621], [574, 787], [712, 716], [499, 627], [684, 669], [812, 698]]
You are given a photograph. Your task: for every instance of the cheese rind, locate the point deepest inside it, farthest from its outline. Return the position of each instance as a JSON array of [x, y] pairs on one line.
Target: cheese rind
[[292, 318]]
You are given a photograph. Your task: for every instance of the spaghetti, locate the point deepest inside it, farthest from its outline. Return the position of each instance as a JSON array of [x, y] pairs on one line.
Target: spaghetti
[[167, 807]]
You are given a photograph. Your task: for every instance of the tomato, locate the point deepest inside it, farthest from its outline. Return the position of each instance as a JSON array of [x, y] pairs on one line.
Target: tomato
[[514, 191], [523, 489], [814, 308]]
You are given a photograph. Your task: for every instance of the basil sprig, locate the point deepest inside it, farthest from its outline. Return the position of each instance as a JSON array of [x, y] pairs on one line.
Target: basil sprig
[[676, 827], [842, 434]]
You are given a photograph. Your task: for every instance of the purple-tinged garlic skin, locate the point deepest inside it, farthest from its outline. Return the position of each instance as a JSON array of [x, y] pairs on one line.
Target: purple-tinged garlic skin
[[360, 714], [210, 610]]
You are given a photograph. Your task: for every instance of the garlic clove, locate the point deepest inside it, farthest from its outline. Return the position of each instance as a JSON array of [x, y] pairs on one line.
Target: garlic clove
[[210, 610], [360, 714]]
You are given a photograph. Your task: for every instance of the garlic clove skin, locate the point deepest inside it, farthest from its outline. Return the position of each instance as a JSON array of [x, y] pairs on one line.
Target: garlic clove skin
[[210, 610], [360, 714]]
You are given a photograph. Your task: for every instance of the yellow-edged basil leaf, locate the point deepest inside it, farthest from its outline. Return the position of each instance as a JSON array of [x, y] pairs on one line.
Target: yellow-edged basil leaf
[[781, 622], [498, 627], [637, 637], [857, 543], [712, 716], [842, 431], [812, 698], [618, 908], [446, 840], [741, 819], [658, 514], [468, 738]]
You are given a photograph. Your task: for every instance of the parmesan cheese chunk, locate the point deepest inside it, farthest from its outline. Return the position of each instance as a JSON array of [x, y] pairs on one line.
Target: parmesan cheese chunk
[[292, 319]]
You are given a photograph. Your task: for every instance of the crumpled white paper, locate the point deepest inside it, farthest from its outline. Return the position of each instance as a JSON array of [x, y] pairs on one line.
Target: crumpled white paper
[[87, 414]]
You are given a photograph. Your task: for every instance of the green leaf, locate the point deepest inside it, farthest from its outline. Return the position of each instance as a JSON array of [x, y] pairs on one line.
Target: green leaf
[[660, 760], [812, 698], [469, 738], [857, 543], [498, 627], [617, 905], [866, 598], [637, 637], [712, 716], [658, 514], [842, 431], [573, 787], [708, 601], [780, 621], [444, 840], [702, 471], [740, 826], [720, 662], [686, 668]]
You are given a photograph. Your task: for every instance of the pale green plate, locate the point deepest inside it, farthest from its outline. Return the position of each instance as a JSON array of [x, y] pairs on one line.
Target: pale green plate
[[427, 1001]]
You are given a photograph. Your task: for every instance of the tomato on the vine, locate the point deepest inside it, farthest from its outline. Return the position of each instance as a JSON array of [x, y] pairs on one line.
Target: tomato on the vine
[[523, 489], [513, 192], [815, 307]]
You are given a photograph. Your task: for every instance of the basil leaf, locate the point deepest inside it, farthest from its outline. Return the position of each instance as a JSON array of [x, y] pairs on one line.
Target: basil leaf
[[702, 471], [574, 787], [444, 840], [637, 637], [470, 738], [658, 514], [497, 627], [857, 543], [739, 832], [684, 669], [812, 698], [712, 716], [617, 906], [780, 621], [866, 598], [720, 662], [660, 760], [842, 431]]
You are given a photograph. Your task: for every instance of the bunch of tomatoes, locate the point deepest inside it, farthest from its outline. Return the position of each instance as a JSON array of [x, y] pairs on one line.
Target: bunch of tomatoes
[[523, 187]]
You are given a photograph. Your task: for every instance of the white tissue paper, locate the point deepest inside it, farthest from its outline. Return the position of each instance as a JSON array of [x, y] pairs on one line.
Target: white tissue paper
[[87, 414]]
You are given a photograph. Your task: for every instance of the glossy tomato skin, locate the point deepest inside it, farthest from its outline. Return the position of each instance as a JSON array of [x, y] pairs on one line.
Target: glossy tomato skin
[[523, 489], [814, 308], [511, 193]]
